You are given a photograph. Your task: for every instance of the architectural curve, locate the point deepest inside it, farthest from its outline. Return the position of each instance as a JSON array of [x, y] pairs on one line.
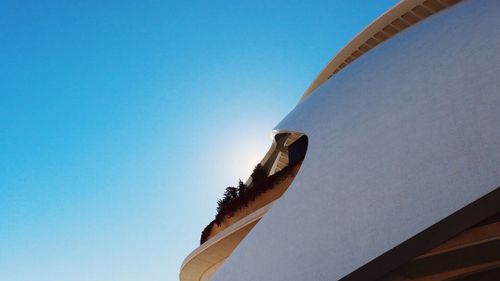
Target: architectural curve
[[202, 262], [403, 160], [220, 238], [404, 154], [403, 15]]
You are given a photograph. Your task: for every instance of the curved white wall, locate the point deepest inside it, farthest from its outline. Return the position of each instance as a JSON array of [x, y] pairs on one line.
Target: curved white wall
[[398, 140]]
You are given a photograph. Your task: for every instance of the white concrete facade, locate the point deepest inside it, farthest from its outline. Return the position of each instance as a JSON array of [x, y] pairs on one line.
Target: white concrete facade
[[402, 138]]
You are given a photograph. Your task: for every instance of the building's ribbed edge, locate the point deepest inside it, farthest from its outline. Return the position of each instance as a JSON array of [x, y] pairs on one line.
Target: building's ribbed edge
[[401, 16]]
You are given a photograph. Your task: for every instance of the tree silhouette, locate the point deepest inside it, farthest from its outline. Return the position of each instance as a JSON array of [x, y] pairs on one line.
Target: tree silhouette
[[259, 174], [242, 188], [231, 193], [224, 206]]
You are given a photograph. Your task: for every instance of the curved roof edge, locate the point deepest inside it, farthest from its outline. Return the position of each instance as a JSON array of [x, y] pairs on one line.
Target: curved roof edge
[[401, 16]]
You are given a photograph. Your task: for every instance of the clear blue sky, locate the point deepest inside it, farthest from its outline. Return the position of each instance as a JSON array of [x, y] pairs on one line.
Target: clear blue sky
[[121, 122]]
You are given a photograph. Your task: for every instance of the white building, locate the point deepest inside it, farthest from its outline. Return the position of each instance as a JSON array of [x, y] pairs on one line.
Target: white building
[[401, 175]]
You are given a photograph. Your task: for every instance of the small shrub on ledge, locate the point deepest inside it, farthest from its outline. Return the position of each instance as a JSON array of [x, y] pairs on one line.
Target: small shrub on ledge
[[236, 198]]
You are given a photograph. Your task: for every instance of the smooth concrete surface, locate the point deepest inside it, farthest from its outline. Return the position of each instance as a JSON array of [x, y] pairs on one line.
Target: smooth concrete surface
[[403, 137]]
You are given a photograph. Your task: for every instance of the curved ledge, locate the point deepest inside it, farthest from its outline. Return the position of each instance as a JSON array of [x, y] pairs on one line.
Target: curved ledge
[[280, 181], [404, 14], [204, 261]]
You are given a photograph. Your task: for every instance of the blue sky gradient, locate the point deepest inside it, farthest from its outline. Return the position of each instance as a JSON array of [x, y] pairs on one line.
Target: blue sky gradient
[[121, 122]]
